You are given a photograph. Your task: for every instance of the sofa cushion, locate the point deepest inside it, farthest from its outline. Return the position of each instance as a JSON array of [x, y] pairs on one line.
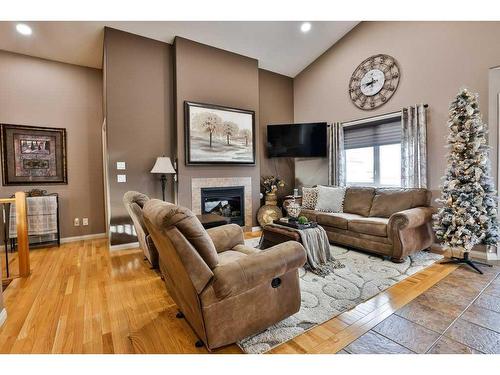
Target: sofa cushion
[[331, 232], [358, 200], [337, 219], [389, 201], [376, 226], [330, 199]]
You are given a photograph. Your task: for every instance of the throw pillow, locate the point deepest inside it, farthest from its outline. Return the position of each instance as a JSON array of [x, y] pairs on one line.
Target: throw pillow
[[309, 197], [330, 199]]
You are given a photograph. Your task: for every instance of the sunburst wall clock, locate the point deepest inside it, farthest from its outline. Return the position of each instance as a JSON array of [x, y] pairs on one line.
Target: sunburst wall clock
[[374, 82]]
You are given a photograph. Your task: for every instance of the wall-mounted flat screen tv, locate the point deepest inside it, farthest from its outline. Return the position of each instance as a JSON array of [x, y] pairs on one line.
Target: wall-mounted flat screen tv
[[297, 140]]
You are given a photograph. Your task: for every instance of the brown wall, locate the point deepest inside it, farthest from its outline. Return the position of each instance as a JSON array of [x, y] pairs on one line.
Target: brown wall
[[139, 115], [436, 59], [210, 75], [45, 93], [275, 107]]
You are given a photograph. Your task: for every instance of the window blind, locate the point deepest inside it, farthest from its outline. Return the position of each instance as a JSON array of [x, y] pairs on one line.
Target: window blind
[[367, 135]]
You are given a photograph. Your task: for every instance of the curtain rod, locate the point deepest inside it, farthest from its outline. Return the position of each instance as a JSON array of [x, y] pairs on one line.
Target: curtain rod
[[383, 116]]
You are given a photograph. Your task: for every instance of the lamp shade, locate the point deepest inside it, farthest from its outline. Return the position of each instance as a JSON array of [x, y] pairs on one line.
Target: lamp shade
[[163, 165]]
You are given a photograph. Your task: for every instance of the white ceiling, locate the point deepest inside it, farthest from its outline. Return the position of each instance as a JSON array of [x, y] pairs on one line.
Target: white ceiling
[[279, 46]]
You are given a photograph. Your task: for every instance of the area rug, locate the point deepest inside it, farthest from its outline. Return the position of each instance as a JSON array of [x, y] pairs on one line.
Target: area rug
[[323, 298]]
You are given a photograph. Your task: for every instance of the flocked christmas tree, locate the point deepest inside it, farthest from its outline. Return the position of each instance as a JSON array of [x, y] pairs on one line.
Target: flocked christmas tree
[[468, 205]]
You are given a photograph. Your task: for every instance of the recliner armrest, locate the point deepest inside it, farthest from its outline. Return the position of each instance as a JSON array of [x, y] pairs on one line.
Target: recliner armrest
[[248, 272], [225, 237], [411, 218]]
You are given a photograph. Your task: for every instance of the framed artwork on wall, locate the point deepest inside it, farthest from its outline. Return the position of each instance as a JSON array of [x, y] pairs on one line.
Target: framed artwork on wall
[[33, 155], [218, 135]]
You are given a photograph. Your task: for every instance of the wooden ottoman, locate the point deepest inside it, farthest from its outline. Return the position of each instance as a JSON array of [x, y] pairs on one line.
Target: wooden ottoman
[[274, 235]]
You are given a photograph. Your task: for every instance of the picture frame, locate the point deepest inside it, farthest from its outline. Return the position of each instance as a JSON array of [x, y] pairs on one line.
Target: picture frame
[[216, 135], [33, 155]]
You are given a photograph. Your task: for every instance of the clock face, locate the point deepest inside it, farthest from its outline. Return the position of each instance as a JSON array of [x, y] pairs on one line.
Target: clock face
[[374, 82]]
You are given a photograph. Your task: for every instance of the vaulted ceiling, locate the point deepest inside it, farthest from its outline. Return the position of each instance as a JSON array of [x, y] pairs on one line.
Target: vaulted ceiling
[[280, 46]]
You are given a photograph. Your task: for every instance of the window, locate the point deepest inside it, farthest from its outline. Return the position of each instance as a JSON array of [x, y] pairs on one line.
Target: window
[[373, 153]]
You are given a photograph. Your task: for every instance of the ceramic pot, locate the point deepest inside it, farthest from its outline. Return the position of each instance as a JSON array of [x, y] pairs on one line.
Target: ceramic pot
[[267, 214]]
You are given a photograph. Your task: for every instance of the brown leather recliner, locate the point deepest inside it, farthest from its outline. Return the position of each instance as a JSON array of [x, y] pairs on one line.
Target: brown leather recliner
[[134, 203], [226, 290]]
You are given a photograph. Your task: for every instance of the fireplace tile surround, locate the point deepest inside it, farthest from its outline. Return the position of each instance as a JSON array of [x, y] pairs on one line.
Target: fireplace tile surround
[[198, 183]]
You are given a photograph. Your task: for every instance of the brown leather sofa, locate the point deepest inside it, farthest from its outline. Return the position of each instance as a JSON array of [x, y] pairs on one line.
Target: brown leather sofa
[[383, 221], [226, 290]]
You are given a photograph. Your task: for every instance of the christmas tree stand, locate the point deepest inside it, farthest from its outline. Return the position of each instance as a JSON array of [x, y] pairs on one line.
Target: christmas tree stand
[[468, 261]]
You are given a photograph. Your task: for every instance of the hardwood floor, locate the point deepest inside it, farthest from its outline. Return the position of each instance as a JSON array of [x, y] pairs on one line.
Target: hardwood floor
[[81, 298]]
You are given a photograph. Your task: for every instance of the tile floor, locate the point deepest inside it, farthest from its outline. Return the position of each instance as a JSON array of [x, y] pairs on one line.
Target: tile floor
[[460, 314]]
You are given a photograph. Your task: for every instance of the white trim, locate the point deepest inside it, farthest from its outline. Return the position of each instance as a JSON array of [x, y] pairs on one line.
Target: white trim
[[3, 316], [84, 237], [256, 229], [124, 246]]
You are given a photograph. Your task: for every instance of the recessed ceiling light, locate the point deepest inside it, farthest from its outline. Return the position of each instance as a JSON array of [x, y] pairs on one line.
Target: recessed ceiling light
[[305, 27], [24, 29]]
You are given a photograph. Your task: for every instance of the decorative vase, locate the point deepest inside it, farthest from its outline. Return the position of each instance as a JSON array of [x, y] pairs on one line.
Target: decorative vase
[[272, 198], [293, 210], [268, 213]]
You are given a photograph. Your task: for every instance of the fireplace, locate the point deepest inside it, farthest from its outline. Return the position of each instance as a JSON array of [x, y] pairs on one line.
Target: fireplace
[[225, 201]]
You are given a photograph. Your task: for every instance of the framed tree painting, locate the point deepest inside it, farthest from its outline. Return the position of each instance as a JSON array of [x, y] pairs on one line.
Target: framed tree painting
[[218, 135], [33, 155]]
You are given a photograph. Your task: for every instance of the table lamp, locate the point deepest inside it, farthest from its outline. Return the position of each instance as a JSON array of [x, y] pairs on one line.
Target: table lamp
[[163, 166]]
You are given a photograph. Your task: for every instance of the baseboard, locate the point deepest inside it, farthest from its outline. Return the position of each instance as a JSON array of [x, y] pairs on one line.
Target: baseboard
[[75, 238], [124, 246], [3, 317], [84, 237], [484, 255], [480, 253]]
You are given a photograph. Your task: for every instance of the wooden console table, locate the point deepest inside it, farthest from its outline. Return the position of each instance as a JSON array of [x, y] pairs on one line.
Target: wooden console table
[[22, 231]]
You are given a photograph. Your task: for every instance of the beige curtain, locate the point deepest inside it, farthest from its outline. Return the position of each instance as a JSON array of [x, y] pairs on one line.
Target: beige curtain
[[336, 157], [414, 147]]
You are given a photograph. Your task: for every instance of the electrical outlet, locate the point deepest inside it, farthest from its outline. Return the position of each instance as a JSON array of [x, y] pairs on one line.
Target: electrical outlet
[[76, 222], [85, 221]]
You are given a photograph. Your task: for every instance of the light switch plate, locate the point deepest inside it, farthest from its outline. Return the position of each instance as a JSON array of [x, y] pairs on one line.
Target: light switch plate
[[121, 178], [121, 165], [85, 221]]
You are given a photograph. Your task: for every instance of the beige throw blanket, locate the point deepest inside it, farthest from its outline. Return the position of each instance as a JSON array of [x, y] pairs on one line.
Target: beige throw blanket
[[42, 217], [319, 258]]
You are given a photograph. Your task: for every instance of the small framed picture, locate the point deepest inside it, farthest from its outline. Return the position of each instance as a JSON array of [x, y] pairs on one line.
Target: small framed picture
[[33, 155], [218, 135]]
